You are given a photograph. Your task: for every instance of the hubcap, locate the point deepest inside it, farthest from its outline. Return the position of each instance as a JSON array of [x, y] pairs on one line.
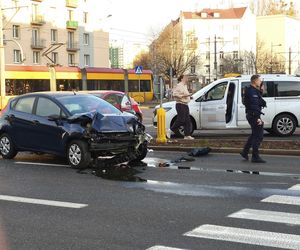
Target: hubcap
[[285, 125], [74, 154], [4, 145]]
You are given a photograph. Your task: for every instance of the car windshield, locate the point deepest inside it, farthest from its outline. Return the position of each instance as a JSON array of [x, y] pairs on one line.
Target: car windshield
[[77, 104]]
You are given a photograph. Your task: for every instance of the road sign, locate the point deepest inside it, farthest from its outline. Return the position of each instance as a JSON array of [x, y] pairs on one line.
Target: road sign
[[138, 70]]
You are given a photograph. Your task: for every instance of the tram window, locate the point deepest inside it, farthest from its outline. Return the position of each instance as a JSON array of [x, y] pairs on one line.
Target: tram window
[[20, 86], [134, 86]]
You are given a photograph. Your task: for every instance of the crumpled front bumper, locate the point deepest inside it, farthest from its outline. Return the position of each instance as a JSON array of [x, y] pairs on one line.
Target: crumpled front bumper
[[114, 144]]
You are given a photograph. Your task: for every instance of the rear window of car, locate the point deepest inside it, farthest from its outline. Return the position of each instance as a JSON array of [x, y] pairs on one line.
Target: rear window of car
[[24, 105], [77, 104]]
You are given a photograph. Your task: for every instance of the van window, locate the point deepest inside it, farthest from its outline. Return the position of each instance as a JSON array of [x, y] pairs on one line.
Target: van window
[[269, 90], [217, 92], [286, 88]]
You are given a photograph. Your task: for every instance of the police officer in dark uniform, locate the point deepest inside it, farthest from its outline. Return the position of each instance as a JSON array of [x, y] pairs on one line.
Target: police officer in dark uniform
[[254, 103]]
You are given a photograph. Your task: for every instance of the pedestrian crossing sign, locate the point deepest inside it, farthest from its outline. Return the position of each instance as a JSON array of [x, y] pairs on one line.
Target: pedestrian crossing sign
[[138, 70]]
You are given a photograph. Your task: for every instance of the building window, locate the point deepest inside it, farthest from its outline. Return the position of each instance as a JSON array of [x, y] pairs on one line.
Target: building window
[[70, 39], [221, 54], [54, 57], [235, 41], [86, 39], [236, 27], [17, 56], [207, 69], [193, 69], [208, 55], [235, 54], [71, 15], [35, 11], [36, 57], [53, 36], [221, 69], [71, 59], [35, 36], [85, 17], [16, 31], [86, 60]]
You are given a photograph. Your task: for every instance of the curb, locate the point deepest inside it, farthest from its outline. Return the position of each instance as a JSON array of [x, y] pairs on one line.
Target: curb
[[229, 150]]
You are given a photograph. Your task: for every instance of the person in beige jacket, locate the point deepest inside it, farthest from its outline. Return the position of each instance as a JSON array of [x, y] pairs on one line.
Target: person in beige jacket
[[182, 98]]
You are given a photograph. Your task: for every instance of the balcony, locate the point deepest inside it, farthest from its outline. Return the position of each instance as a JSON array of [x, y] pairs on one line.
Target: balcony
[[72, 25], [72, 46], [72, 3], [38, 44], [37, 20], [37, 0]]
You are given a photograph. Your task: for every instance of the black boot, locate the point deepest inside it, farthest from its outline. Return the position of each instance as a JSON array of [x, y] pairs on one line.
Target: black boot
[[244, 155], [257, 159]]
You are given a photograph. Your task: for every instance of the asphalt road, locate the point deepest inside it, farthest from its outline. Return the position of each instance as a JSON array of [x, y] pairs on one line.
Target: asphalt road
[[228, 133], [193, 208]]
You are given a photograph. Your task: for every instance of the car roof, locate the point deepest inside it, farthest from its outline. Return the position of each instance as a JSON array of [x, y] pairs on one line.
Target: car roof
[[268, 76], [104, 92], [54, 94]]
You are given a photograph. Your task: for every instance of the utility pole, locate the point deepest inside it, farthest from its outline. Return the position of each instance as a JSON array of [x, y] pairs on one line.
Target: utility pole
[[290, 61], [215, 60], [2, 59]]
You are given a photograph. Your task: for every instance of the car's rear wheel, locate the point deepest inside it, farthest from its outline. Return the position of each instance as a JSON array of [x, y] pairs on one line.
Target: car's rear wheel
[[7, 147], [78, 154]]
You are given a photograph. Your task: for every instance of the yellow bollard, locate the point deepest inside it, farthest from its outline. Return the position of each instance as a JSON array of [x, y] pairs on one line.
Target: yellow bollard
[[161, 126]]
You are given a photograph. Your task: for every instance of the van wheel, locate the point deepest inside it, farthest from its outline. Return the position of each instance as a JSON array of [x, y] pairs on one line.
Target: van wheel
[[78, 154], [7, 147], [284, 125], [181, 128]]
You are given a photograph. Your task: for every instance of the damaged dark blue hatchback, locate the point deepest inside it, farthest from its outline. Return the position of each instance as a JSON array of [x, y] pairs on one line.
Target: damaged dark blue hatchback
[[81, 127]]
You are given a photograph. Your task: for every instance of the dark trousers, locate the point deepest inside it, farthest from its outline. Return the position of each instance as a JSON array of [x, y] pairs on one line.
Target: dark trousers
[[255, 138], [183, 119]]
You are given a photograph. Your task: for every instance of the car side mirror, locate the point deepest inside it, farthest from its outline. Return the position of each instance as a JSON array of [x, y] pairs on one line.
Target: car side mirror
[[54, 118]]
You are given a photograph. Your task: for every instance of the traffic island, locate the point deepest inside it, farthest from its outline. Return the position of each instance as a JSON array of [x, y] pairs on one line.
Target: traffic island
[[271, 147]]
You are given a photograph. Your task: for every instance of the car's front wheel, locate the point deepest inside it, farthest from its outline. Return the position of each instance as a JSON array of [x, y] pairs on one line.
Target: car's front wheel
[[78, 154], [142, 151], [7, 147]]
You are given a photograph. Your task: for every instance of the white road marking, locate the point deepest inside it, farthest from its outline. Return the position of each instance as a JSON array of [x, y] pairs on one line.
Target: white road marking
[[270, 216], [296, 187], [40, 164], [163, 248], [283, 199], [42, 202], [246, 236]]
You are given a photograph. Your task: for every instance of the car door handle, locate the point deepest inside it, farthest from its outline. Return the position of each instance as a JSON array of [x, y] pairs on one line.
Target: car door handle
[[35, 122]]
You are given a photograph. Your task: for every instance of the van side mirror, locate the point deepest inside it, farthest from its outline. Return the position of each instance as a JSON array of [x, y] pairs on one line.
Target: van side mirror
[[54, 118]]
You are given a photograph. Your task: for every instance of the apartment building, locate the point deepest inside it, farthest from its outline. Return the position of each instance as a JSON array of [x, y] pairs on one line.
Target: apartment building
[[70, 30], [280, 35], [219, 33]]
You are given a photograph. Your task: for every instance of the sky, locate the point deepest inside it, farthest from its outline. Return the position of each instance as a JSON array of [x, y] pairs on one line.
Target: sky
[[137, 21]]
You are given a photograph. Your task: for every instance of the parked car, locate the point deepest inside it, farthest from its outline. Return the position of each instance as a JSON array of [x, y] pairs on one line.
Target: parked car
[[219, 105], [120, 100], [78, 126]]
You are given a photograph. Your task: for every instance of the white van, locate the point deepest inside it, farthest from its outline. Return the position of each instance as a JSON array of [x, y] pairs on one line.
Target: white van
[[219, 105]]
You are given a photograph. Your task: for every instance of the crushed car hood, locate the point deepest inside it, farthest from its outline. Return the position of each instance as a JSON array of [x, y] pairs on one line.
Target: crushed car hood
[[107, 123]]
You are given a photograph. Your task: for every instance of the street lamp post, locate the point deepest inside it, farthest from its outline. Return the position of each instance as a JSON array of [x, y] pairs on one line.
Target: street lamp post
[[273, 45]]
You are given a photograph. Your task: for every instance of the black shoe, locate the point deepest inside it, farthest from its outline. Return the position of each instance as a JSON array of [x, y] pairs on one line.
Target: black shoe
[[245, 156], [257, 160]]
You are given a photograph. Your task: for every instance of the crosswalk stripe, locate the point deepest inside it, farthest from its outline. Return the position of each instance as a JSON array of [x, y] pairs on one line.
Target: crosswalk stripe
[[270, 216], [247, 236], [164, 248], [283, 199], [296, 187], [42, 202]]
